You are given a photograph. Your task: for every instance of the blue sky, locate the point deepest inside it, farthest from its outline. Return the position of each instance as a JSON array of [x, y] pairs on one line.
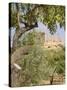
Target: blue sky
[[60, 32]]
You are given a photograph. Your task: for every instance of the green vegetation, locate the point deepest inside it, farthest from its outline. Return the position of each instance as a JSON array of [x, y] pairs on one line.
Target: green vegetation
[[39, 63], [31, 13], [34, 38]]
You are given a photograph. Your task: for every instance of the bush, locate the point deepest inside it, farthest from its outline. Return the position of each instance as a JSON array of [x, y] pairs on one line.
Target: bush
[[40, 63]]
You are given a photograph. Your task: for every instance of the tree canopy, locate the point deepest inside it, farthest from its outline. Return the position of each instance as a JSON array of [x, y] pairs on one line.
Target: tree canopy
[[31, 13]]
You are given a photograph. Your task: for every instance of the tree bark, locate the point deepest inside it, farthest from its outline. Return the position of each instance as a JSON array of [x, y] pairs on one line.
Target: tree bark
[[52, 76], [51, 80]]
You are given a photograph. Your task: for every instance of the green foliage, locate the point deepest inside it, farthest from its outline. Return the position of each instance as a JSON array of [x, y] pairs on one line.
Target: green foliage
[[48, 14], [33, 38], [40, 63], [56, 61], [33, 66], [29, 39]]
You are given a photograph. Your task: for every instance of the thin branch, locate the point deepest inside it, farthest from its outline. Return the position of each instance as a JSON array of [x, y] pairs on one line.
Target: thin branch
[[20, 32], [26, 24]]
